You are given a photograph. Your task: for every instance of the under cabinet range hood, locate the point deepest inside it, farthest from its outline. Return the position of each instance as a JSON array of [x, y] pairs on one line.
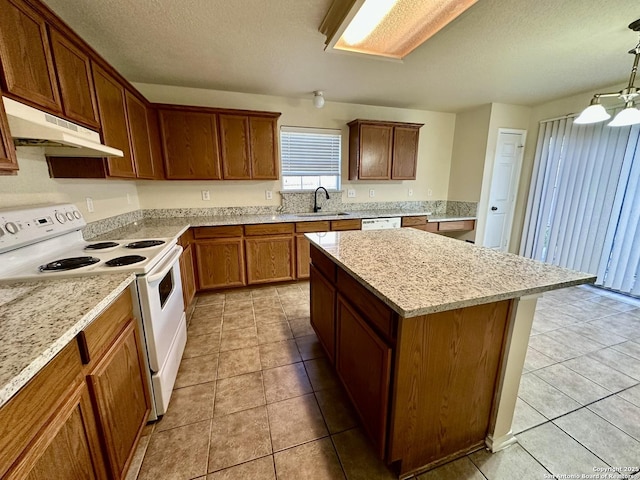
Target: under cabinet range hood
[[31, 127]]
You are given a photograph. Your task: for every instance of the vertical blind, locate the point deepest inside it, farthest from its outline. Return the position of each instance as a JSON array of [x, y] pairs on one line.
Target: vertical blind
[[575, 183], [309, 151]]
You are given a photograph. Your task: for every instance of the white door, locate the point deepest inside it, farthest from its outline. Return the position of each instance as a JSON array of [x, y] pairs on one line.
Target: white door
[[504, 188]]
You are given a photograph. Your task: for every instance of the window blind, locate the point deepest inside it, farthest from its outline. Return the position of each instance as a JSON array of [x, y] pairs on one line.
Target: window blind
[[310, 151]]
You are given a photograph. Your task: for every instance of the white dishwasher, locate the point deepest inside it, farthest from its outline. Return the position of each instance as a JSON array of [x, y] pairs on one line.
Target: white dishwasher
[[381, 223]]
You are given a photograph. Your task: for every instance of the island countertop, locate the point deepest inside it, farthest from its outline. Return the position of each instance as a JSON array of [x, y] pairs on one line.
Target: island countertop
[[417, 273]]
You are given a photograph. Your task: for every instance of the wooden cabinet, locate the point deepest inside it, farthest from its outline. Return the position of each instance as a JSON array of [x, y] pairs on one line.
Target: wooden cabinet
[[139, 135], [383, 150], [76, 81], [190, 145], [25, 55], [187, 271], [8, 159], [234, 147], [270, 252], [323, 318], [342, 225], [367, 382], [220, 263], [113, 118], [303, 245], [263, 137], [155, 142]]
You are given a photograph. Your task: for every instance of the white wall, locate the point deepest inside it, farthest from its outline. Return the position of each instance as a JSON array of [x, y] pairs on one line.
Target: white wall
[[32, 185], [434, 153]]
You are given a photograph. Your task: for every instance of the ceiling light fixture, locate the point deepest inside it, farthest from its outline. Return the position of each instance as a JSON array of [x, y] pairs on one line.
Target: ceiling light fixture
[[387, 28], [630, 115], [318, 99]]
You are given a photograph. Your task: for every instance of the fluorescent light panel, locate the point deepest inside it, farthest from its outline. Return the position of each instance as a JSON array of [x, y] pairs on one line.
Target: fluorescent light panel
[[394, 28]]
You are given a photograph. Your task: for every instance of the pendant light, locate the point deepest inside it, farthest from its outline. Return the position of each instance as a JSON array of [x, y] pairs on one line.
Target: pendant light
[[630, 115]]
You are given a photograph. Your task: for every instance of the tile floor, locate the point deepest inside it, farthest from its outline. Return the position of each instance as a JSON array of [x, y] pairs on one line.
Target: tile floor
[[256, 399]]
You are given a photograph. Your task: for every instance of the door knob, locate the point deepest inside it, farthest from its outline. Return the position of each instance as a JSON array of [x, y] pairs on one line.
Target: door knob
[[493, 209]]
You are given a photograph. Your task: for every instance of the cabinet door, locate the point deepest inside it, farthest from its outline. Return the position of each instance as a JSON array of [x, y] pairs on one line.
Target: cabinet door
[[405, 153], [139, 134], [220, 263], [190, 145], [375, 152], [113, 118], [303, 250], [323, 317], [269, 259], [264, 148], [367, 382], [76, 82], [8, 159], [188, 275], [25, 55], [155, 143], [234, 147], [120, 394]]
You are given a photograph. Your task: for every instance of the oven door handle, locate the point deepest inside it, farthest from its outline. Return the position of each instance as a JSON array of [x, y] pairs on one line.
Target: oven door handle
[[166, 265]]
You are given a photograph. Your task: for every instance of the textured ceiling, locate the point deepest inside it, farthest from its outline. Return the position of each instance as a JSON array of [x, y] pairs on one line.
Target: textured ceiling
[[521, 52]]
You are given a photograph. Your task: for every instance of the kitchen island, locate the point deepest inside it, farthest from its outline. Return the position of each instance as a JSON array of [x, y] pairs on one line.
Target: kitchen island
[[428, 335]]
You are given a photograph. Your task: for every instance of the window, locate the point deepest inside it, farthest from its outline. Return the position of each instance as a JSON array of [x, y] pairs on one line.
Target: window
[[310, 158]]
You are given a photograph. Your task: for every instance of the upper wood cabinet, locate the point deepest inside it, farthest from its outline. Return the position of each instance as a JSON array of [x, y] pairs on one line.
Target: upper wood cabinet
[[113, 117], [234, 147], [8, 160], [155, 142], [76, 81], [25, 55], [383, 150], [139, 137], [263, 137], [190, 145]]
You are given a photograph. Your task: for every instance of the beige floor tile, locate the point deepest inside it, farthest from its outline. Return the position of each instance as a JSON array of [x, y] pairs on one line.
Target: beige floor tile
[[291, 289], [285, 382], [301, 326], [535, 360], [557, 315], [237, 362], [274, 332], [260, 469], [309, 347], [623, 363], [270, 315], [358, 457], [574, 385], [278, 354], [321, 374], [238, 393], [574, 340], [510, 463], [622, 325], [138, 457], [596, 371], [261, 304], [631, 395], [611, 303], [243, 319], [602, 438], [237, 296], [264, 292], [200, 345], [296, 311], [547, 400], [553, 349], [629, 348], [619, 412], [179, 453], [311, 461], [336, 409], [294, 421], [525, 417], [206, 327], [238, 338], [188, 405], [209, 311], [210, 299], [558, 452], [600, 335], [239, 437], [461, 469], [197, 370]]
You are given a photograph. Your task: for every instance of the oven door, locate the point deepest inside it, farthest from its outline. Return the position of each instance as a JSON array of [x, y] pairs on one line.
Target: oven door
[[162, 307]]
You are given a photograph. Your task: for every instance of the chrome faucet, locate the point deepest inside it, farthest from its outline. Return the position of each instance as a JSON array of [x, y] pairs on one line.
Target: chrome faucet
[[315, 198]]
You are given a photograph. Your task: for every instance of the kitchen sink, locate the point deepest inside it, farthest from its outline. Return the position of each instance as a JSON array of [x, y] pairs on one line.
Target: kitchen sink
[[321, 214]]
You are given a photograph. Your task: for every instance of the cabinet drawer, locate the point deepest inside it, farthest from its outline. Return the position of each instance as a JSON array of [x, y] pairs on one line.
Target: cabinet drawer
[[309, 227], [218, 232], [323, 263], [351, 224], [457, 225], [101, 333], [411, 221], [372, 308], [427, 227], [269, 229]]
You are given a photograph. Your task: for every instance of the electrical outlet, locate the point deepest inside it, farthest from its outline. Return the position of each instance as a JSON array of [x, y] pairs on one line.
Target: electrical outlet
[[410, 192], [90, 204], [351, 193], [372, 193], [206, 196], [268, 194], [429, 192]]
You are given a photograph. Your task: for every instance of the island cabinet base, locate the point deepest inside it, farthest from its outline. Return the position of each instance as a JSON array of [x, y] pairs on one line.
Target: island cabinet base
[[425, 388]]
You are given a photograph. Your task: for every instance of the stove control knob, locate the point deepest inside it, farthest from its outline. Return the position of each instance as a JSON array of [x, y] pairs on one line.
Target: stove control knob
[[70, 216], [11, 227], [60, 217], [77, 214]]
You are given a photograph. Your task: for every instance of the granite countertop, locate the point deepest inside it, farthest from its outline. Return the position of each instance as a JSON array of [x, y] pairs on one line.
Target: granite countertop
[[38, 319], [416, 273]]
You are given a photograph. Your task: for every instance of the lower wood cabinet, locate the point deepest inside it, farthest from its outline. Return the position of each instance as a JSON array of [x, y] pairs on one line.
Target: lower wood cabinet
[[270, 259], [220, 263], [8, 159], [323, 311], [188, 275]]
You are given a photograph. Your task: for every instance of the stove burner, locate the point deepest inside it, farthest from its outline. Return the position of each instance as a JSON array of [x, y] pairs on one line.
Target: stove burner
[[126, 260], [144, 244], [101, 245], [68, 264]]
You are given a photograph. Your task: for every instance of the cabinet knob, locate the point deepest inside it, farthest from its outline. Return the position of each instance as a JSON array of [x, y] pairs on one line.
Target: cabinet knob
[[493, 209]]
